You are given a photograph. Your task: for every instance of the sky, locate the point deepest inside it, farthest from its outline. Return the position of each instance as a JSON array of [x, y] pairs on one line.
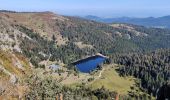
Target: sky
[[101, 8]]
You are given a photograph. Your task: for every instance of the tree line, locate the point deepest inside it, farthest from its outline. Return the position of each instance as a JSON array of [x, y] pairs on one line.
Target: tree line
[[153, 69]]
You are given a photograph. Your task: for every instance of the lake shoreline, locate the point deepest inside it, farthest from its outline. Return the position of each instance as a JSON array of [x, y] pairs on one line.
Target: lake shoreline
[[89, 58]]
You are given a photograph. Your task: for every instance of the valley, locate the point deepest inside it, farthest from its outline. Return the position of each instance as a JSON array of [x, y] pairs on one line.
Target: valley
[[38, 49]]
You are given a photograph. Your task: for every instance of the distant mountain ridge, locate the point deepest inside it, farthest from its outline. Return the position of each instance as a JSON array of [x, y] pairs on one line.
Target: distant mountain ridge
[[159, 22]]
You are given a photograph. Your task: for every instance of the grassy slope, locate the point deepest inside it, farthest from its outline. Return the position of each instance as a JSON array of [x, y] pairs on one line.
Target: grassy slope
[[7, 61], [111, 80]]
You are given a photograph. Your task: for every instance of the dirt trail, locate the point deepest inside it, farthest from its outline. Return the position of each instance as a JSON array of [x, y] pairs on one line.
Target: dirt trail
[[100, 74]]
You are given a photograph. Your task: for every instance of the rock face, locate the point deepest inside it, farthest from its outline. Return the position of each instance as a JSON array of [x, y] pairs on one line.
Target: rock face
[[164, 92]]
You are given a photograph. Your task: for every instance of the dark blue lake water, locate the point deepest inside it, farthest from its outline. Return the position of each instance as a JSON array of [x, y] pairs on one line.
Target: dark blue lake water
[[89, 64]]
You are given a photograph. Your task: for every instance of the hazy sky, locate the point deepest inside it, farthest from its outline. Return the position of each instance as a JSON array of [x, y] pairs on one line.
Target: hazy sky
[[104, 8]]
